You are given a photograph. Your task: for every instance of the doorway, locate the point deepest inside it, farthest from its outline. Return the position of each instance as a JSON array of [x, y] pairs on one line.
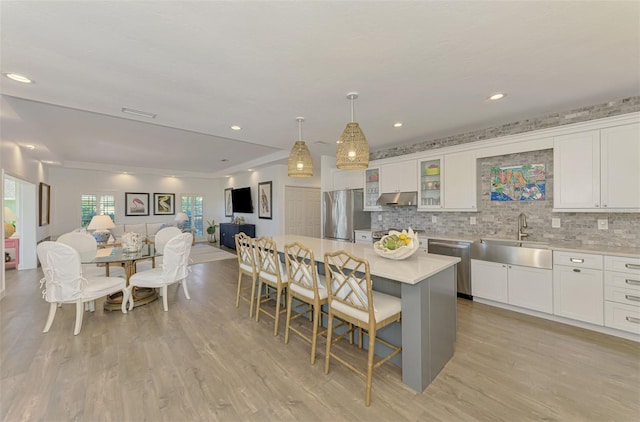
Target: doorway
[[302, 211]]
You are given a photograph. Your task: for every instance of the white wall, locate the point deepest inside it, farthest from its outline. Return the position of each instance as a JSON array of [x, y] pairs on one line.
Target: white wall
[[277, 174], [15, 161], [68, 184]]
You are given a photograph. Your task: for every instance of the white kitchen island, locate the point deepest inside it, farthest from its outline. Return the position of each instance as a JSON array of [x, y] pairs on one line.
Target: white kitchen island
[[426, 285]]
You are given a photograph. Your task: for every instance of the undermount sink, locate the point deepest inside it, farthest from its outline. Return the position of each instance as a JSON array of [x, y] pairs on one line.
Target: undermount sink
[[515, 252], [517, 243]]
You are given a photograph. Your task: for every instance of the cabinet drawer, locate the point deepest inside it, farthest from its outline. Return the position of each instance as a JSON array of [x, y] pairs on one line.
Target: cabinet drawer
[[627, 281], [622, 317], [363, 236], [621, 295], [577, 259], [622, 264]]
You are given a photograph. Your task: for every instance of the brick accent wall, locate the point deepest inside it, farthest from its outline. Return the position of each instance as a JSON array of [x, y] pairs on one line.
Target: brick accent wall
[[498, 218]]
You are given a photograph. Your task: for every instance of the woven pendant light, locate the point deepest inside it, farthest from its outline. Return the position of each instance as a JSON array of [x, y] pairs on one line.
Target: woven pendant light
[[353, 148], [300, 163]]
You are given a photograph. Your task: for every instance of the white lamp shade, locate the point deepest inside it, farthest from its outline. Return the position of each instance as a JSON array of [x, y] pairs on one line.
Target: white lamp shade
[[181, 216], [9, 215], [101, 222]]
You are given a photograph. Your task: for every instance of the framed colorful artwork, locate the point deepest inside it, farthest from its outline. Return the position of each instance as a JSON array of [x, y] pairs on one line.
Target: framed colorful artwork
[[228, 203], [164, 203], [264, 200], [136, 204]]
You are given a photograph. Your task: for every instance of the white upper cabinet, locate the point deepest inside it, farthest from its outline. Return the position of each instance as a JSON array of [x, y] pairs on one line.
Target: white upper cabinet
[[598, 170], [348, 179], [371, 189], [430, 183], [399, 177], [460, 181], [620, 170], [448, 183]]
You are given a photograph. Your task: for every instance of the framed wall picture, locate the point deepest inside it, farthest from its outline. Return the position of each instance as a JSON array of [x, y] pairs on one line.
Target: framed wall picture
[[264, 200], [228, 204], [45, 203], [136, 204], [164, 203]]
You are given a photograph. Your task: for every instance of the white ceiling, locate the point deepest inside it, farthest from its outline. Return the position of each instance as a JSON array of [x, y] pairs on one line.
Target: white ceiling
[[204, 66]]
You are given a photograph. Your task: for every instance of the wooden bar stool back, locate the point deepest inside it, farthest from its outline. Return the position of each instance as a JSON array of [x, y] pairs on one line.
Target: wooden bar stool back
[[270, 276], [308, 288], [352, 299], [246, 266]]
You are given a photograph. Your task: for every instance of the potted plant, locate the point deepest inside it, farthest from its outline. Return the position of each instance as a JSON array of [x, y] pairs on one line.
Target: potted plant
[[211, 231]]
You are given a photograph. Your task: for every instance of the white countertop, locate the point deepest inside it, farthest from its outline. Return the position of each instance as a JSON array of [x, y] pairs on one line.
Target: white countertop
[[553, 245], [596, 249], [412, 270]]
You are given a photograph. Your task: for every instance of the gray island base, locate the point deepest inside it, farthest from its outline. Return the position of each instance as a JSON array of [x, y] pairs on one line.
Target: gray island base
[[426, 285]]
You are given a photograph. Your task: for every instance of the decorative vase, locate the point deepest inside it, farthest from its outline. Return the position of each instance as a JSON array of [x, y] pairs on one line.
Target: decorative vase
[[101, 236], [131, 242]]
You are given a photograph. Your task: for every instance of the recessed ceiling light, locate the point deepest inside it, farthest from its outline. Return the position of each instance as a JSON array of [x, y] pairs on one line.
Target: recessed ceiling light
[[18, 78], [227, 176], [398, 124], [236, 127], [47, 161], [28, 146], [249, 169], [497, 96], [139, 113]]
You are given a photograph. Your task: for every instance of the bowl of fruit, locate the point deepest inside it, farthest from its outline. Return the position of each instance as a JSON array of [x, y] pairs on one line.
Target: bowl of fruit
[[397, 245]]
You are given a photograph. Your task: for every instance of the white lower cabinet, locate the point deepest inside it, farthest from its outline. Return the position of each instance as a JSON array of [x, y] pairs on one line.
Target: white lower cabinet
[[526, 287], [489, 280], [622, 293], [531, 288], [578, 291]]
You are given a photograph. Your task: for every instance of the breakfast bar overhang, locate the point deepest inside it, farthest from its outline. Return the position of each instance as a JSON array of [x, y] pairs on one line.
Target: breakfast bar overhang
[[428, 294]]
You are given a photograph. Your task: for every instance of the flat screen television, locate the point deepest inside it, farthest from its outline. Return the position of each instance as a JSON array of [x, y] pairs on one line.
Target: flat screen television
[[241, 200]]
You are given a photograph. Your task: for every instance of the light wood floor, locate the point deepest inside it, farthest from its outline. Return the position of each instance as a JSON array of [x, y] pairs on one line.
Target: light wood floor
[[205, 360]]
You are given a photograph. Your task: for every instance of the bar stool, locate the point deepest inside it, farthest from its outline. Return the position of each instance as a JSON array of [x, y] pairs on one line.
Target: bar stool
[[308, 288], [246, 266], [271, 276], [352, 299]]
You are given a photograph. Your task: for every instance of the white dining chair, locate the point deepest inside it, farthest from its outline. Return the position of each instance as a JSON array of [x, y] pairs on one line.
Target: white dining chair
[[85, 243], [160, 240], [64, 282], [174, 269]]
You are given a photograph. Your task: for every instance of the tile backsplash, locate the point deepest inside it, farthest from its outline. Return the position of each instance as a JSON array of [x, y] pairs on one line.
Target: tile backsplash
[[500, 218]]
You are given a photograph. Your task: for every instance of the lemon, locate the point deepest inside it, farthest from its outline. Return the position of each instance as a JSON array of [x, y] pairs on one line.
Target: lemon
[[407, 241], [403, 236]]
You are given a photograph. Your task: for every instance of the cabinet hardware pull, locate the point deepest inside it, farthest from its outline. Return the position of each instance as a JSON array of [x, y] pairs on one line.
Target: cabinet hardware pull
[[579, 260], [632, 266], [632, 298], [632, 282], [634, 320], [576, 270]]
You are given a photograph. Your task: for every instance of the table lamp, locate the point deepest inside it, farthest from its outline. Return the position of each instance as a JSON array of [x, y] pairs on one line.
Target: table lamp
[[101, 224], [181, 219], [9, 222]]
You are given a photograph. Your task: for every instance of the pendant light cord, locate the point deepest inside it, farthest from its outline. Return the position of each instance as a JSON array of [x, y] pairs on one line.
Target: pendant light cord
[[352, 112]]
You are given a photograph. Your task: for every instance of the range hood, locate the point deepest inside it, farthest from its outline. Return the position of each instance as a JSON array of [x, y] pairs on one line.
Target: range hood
[[398, 198]]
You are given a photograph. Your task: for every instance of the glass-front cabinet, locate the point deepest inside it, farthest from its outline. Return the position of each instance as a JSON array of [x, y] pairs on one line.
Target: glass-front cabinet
[[430, 188], [371, 189]]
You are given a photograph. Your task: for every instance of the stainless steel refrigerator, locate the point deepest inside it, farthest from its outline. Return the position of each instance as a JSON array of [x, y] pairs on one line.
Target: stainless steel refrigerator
[[342, 214]]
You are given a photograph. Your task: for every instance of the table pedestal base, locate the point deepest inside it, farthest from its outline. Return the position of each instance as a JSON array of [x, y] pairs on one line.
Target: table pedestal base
[[141, 296]]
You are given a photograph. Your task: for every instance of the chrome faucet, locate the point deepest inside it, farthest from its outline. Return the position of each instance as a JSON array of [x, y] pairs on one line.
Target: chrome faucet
[[522, 224]]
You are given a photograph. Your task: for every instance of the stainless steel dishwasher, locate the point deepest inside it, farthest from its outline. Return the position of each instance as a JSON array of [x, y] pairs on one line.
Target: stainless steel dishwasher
[[463, 251]]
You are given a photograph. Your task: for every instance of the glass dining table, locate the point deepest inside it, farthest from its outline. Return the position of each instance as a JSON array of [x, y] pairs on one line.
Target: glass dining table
[[128, 259]]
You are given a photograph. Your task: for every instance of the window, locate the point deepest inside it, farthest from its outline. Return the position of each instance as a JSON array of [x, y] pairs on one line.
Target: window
[[97, 204], [193, 206]]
